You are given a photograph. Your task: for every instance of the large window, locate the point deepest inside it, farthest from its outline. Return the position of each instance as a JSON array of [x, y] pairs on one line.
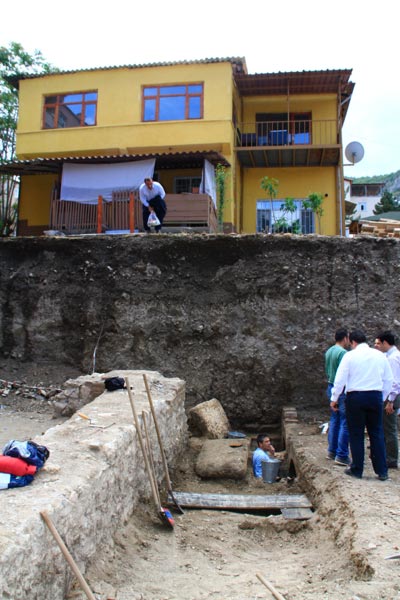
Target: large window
[[173, 102], [277, 219], [77, 109]]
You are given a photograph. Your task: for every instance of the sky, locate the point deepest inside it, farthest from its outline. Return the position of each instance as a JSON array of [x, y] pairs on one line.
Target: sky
[[272, 36]]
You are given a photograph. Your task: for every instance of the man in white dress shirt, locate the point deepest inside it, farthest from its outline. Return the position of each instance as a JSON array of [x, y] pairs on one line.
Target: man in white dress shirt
[[367, 377], [152, 197], [385, 342]]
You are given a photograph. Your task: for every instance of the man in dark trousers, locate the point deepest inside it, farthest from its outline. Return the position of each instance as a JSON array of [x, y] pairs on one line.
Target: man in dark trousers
[[152, 197], [367, 377], [338, 435], [385, 342]]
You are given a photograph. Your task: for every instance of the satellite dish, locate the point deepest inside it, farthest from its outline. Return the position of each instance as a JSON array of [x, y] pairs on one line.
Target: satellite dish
[[354, 152]]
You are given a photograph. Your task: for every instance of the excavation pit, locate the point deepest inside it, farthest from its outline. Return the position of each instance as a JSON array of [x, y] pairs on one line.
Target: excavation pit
[[125, 552]]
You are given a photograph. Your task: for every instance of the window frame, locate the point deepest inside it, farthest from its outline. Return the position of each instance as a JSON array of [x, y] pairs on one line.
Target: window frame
[[57, 104], [191, 181], [187, 95]]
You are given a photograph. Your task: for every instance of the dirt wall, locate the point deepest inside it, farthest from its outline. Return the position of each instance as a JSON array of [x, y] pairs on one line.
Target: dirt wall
[[245, 319]]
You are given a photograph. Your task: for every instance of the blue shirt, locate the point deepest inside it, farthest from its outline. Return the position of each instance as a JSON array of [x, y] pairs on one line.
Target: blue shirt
[[259, 456]]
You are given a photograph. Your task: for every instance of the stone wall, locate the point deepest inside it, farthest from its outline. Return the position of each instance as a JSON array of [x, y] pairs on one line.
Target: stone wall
[[92, 483], [244, 319]]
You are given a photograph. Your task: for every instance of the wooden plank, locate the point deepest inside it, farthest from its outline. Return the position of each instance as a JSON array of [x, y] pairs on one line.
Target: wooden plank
[[241, 501], [301, 514]]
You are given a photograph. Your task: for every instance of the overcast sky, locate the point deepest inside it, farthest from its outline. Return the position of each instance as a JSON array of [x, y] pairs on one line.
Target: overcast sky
[[272, 36]]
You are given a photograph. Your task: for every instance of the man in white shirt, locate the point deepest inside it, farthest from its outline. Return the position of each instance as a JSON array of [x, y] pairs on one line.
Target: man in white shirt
[[367, 377], [385, 342], [152, 197]]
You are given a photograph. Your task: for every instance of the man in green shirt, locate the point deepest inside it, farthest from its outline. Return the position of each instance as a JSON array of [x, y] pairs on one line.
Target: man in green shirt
[[338, 435]]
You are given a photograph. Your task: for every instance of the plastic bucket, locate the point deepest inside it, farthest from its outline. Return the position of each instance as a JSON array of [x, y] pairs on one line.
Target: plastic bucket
[[236, 435], [270, 470]]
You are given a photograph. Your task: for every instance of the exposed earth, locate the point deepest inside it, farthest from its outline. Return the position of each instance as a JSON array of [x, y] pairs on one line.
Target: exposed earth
[[338, 554]]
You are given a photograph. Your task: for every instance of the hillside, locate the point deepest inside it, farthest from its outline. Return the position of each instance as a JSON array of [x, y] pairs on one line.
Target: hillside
[[392, 181]]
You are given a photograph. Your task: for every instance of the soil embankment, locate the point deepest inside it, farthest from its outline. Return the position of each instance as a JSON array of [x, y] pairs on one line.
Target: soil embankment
[[245, 319]]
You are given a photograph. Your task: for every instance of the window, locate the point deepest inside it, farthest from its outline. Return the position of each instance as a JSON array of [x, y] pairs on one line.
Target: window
[[263, 218], [70, 110], [277, 219], [186, 184], [307, 221], [173, 102]]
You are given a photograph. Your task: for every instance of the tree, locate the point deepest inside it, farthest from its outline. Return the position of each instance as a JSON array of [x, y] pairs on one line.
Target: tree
[[14, 61], [386, 204], [289, 207], [270, 185], [220, 180], [314, 202]]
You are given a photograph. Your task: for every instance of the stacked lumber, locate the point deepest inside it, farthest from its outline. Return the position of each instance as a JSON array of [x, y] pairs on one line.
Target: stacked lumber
[[384, 228]]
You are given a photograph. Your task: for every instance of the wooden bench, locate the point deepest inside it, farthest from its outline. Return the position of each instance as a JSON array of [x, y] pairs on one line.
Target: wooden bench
[[191, 210]]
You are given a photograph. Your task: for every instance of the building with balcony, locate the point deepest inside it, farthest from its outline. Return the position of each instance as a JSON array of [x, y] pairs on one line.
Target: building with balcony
[[179, 121]]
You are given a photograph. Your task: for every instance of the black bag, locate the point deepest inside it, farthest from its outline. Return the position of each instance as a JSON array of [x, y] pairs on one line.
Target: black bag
[[114, 383]]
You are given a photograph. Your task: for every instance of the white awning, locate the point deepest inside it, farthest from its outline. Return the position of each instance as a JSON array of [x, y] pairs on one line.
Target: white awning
[[85, 183]]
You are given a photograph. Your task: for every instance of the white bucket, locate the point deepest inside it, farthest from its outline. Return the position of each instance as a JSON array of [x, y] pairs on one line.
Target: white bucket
[[270, 469]]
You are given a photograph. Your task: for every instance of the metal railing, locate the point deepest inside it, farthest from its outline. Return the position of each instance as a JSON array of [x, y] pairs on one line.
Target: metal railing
[[287, 133]]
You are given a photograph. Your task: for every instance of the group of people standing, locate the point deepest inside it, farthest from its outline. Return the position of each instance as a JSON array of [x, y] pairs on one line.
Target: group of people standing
[[364, 393]]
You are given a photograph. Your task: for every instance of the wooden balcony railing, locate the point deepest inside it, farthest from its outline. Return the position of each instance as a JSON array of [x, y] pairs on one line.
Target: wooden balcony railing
[[287, 133], [124, 214]]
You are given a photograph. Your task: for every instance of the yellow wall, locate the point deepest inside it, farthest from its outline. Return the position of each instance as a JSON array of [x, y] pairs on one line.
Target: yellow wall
[[297, 183], [35, 195], [119, 128]]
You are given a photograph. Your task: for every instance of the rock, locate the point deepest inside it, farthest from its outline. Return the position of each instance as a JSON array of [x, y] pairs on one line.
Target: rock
[[209, 419], [77, 393], [218, 459]]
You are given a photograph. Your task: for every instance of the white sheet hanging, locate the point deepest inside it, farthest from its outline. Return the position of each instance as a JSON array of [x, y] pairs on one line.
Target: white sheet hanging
[[85, 183], [208, 185]]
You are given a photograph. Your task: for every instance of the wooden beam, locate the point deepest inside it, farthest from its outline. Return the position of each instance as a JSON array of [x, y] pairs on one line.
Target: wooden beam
[[242, 501]]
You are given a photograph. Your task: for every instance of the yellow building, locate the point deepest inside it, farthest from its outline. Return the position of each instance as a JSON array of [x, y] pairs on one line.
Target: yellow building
[[184, 116]]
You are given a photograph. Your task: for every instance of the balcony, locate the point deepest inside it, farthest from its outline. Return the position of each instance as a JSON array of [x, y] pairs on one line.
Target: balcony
[[291, 143], [123, 214]]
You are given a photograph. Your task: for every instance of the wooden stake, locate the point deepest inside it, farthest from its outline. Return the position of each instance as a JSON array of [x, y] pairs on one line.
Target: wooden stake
[[67, 555], [271, 588], [131, 212], [99, 214]]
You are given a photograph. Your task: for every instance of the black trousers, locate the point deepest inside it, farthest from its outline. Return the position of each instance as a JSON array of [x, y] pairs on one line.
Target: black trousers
[[159, 207]]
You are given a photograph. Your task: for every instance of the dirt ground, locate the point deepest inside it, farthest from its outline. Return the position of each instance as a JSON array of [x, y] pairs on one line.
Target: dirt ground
[[340, 553]]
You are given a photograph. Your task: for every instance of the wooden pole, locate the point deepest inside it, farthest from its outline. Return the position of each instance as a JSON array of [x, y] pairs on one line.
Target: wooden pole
[[67, 555], [269, 586], [99, 214], [131, 213]]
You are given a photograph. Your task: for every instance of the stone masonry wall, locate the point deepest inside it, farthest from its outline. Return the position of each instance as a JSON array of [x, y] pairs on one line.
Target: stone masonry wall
[[91, 484]]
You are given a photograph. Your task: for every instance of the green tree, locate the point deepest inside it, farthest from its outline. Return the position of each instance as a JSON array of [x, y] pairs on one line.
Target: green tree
[[289, 207], [14, 61], [314, 202], [270, 185], [386, 204], [220, 180]]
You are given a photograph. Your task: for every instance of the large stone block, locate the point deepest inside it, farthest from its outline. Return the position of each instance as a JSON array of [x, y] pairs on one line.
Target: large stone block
[[223, 459], [209, 419]]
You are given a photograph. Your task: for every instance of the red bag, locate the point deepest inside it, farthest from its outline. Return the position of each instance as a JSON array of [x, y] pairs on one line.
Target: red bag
[[16, 466]]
